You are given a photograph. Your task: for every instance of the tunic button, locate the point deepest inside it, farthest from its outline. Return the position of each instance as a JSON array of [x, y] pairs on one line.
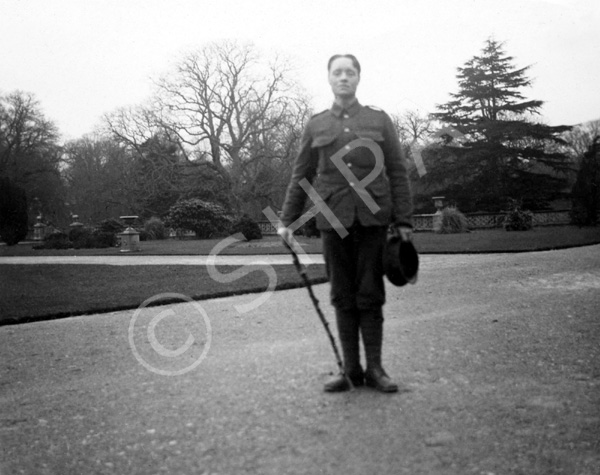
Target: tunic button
[[349, 165], [352, 184], [347, 147], [347, 130], [346, 116]]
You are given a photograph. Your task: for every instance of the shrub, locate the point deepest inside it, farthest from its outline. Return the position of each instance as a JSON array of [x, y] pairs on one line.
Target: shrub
[[585, 194], [86, 238], [80, 237], [103, 239], [78, 232], [579, 215], [206, 219], [13, 213], [453, 221], [154, 228], [111, 225], [518, 220], [248, 227], [56, 240]]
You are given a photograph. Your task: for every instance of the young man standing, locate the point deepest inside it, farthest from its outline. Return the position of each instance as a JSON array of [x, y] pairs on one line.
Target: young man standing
[[352, 156]]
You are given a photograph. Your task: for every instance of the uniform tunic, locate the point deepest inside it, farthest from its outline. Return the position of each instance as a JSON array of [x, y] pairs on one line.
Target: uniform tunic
[[342, 170], [331, 131]]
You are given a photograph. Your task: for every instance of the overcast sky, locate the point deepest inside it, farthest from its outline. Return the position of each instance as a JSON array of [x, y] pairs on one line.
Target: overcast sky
[[83, 58]]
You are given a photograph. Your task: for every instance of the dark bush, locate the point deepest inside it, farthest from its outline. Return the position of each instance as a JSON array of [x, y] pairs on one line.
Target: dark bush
[[585, 194], [453, 221], [111, 225], [206, 219], [248, 227], [579, 214], [518, 220], [78, 232], [154, 229], [103, 239], [86, 238], [81, 237], [56, 240], [13, 213]]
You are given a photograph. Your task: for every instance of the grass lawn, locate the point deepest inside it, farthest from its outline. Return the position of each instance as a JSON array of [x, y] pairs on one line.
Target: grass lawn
[[496, 240], [33, 292]]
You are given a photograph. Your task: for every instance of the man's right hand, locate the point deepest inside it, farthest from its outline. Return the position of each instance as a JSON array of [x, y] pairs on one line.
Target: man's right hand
[[286, 235]]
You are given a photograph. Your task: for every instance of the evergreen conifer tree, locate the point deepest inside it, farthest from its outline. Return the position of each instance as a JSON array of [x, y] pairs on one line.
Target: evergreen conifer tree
[[13, 212], [503, 154]]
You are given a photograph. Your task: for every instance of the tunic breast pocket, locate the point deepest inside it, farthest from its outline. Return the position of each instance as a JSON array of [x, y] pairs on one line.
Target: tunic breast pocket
[[369, 134], [322, 140]]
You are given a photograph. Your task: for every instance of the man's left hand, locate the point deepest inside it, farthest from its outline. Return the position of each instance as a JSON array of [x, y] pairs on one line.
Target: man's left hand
[[405, 233]]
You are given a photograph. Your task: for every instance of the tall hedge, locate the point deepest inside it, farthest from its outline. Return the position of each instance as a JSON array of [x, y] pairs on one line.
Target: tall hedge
[[586, 190], [247, 226], [206, 219], [13, 212]]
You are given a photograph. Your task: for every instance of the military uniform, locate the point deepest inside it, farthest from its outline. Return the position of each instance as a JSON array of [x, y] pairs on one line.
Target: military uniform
[[329, 132], [354, 258]]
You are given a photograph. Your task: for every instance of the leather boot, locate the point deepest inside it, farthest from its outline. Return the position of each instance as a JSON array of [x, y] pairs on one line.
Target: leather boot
[[371, 326], [348, 333]]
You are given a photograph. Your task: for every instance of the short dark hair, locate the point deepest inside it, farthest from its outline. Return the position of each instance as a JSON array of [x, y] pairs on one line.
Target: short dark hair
[[351, 57]]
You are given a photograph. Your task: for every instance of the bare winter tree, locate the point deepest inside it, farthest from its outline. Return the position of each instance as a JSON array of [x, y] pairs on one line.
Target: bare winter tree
[[267, 172], [412, 126], [234, 118], [99, 178], [581, 137], [223, 101], [163, 169], [132, 126]]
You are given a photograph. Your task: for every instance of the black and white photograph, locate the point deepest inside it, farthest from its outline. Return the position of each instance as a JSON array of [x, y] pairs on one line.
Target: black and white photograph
[[319, 237]]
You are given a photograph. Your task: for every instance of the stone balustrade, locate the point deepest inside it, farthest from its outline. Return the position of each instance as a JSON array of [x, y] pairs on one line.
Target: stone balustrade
[[424, 222]]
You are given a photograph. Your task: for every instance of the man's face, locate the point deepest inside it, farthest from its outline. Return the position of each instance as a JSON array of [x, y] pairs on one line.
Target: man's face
[[343, 78]]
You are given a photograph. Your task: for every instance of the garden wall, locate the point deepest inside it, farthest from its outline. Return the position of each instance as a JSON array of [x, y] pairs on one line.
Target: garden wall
[[424, 222]]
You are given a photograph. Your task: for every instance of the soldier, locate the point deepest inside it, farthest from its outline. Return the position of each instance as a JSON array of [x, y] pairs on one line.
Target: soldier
[[353, 156]]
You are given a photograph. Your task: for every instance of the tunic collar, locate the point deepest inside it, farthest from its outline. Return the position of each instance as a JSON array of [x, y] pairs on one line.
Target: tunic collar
[[351, 110]]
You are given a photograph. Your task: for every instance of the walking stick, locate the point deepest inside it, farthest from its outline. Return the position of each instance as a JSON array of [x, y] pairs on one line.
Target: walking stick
[[302, 271]]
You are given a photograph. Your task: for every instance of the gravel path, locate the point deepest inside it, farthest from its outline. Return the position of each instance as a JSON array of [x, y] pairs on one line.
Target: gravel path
[[498, 356]]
